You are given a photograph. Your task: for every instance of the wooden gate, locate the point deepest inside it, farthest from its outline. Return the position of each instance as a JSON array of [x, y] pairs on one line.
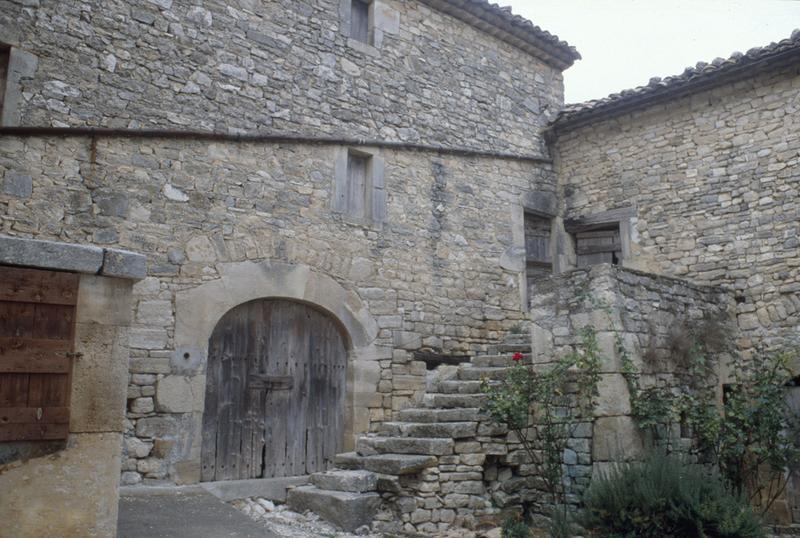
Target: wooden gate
[[275, 392]]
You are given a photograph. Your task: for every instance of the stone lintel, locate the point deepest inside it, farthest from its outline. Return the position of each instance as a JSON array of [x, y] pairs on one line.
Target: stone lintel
[[71, 257]]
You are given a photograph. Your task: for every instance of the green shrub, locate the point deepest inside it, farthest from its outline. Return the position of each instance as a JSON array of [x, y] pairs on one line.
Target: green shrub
[[665, 497], [515, 528], [560, 526]]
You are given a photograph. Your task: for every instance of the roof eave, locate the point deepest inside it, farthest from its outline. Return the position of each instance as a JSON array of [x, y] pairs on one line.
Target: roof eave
[[560, 56], [701, 83]]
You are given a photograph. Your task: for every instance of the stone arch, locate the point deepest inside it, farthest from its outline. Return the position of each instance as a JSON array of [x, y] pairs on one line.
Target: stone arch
[[199, 309]]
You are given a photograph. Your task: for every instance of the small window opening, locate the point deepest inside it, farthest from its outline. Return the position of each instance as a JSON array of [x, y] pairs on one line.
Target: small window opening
[[728, 391], [601, 244], [538, 260], [5, 56], [357, 187], [361, 21]]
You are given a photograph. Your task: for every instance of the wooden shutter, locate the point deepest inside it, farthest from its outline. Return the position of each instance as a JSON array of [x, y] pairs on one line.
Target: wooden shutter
[[37, 327], [359, 21], [5, 58], [539, 262], [598, 246], [357, 170]]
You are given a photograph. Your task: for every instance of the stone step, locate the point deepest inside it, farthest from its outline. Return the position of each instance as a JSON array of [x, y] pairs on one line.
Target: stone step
[[450, 401], [514, 347], [498, 361], [439, 415], [452, 430], [345, 509], [456, 387], [368, 446], [515, 338], [359, 481], [472, 373], [387, 464]]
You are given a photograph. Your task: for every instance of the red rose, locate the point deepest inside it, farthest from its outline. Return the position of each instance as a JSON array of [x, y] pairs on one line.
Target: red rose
[[517, 356]]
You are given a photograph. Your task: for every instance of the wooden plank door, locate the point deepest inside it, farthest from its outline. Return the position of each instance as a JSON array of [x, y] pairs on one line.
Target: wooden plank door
[[598, 246], [37, 327], [275, 393]]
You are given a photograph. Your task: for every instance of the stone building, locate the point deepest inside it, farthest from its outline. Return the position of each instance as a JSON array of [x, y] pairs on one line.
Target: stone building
[[335, 197]]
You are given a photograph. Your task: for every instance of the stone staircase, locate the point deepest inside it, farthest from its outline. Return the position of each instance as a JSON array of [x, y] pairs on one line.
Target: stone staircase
[[424, 469]]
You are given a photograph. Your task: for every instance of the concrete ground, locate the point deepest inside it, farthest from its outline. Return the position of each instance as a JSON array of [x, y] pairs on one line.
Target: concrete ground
[[193, 513]]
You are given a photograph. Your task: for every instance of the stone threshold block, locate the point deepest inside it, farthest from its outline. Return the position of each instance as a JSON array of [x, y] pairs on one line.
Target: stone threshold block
[[345, 509]]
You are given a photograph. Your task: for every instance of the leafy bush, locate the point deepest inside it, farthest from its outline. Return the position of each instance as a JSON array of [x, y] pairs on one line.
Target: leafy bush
[[752, 439], [515, 528], [665, 497]]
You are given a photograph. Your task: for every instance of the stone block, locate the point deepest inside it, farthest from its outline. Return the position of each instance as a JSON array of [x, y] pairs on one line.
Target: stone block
[[99, 378], [50, 255], [124, 264], [389, 464], [407, 340], [150, 365], [137, 448], [367, 446], [180, 394], [105, 301], [352, 481], [616, 439], [142, 406], [156, 312], [17, 184], [112, 204], [147, 338], [613, 397], [152, 427], [344, 509]]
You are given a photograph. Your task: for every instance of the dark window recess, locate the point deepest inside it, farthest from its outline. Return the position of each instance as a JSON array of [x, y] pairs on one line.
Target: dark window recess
[[360, 21], [5, 56], [433, 358], [599, 246], [539, 263]]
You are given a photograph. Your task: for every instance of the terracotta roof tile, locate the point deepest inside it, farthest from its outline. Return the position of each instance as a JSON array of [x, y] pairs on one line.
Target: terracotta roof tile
[[699, 76]]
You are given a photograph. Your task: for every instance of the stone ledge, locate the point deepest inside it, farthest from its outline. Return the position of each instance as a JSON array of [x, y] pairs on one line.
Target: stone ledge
[[71, 257]]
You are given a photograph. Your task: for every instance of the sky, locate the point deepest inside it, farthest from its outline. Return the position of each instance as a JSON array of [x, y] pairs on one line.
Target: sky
[[624, 43]]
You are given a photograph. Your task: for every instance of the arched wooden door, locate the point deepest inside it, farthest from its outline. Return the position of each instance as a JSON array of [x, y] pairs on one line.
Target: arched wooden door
[[275, 392]]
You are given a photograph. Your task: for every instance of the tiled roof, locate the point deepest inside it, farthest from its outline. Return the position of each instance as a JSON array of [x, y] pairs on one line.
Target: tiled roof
[[504, 24], [701, 76]]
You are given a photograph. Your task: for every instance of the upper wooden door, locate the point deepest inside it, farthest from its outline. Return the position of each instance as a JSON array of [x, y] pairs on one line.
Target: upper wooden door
[[598, 246], [275, 392]]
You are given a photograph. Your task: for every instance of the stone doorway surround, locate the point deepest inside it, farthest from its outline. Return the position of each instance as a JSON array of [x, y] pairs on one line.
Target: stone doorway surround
[[70, 487], [197, 311]]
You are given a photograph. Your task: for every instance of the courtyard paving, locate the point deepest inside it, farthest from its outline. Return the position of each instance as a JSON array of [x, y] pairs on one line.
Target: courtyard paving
[[195, 514]]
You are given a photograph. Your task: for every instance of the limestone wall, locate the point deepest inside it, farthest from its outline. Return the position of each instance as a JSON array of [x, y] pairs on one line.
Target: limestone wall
[[288, 66], [714, 179], [439, 273]]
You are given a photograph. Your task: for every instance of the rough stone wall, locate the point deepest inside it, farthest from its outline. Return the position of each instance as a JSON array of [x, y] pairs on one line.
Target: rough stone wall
[[438, 273], [642, 310], [714, 178], [279, 65], [430, 277]]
